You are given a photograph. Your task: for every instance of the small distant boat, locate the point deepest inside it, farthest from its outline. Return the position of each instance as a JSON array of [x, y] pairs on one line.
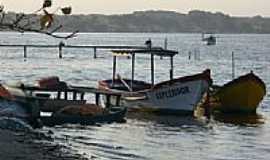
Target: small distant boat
[[211, 40], [241, 95]]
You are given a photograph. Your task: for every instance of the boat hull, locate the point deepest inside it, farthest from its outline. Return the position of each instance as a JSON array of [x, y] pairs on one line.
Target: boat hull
[[114, 115], [243, 94], [53, 105], [179, 95]]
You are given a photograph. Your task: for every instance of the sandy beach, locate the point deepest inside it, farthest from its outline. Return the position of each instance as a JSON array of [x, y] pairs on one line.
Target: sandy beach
[[33, 146]]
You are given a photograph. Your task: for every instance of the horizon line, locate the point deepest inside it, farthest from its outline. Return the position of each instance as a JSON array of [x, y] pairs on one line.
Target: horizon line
[[157, 10]]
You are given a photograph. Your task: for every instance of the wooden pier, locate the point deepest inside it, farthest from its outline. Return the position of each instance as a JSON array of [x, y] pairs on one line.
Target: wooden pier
[[61, 46]]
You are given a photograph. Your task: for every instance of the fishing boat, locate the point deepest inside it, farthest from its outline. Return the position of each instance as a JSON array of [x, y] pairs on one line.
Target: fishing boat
[[51, 94], [241, 95], [65, 110], [175, 96], [89, 113]]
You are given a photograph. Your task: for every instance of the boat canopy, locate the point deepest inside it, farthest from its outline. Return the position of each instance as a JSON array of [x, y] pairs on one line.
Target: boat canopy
[[152, 51], [155, 51]]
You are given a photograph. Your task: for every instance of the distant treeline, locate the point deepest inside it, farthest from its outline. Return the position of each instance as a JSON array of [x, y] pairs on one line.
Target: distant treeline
[[165, 21]]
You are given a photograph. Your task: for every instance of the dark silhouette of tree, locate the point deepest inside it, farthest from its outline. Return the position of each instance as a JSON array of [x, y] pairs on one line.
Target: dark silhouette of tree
[[41, 21]]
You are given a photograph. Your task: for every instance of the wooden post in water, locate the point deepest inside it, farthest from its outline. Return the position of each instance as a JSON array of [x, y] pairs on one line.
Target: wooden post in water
[[95, 52], [165, 46], [60, 52], [166, 43], [24, 52], [61, 44], [171, 70], [189, 55], [233, 65]]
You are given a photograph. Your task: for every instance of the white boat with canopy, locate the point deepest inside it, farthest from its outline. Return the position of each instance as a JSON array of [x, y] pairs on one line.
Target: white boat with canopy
[[176, 95]]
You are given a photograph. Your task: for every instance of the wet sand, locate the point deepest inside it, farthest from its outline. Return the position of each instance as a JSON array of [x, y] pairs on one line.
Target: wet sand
[[33, 146]]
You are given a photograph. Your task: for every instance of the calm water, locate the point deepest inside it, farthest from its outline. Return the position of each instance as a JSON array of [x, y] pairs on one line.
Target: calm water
[[147, 136]]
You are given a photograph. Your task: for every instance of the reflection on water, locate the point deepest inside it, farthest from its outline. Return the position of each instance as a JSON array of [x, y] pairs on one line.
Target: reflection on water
[[236, 119], [165, 120], [240, 119], [148, 136]]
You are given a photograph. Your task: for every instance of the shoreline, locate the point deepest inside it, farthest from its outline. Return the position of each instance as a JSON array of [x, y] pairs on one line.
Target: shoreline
[[33, 146]]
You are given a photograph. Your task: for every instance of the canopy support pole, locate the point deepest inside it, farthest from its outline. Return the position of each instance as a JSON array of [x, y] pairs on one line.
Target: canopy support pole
[[133, 70], [114, 69], [233, 66], [152, 69]]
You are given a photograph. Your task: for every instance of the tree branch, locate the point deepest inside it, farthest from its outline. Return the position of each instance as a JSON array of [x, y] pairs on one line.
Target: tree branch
[[52, 33], [29, 23]]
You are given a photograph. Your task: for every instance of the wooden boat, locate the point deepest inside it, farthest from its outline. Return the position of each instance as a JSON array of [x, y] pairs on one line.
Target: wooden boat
[[81, 115], [88, 114], [65, 110], [70, 110], [241, 95], [50, 93], [176, 95]]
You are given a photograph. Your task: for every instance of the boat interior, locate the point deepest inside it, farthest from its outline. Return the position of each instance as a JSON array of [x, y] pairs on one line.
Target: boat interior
[[127, 85]]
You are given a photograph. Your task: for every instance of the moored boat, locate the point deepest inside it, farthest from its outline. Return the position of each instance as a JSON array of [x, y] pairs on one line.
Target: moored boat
[[51, 94], [241, 95], [88, 114], [65, 110], [174, 96], [177, 96]]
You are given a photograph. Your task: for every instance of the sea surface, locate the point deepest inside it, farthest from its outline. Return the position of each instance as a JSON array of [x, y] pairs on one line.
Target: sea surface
[[150, 137]]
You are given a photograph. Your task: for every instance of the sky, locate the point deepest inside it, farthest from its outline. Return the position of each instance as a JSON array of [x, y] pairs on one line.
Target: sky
[[231, 7]]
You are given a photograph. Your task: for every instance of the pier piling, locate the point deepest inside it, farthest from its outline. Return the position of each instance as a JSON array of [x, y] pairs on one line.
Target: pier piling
[[95, 52], [62, 45], [60, 50], [24, 52], [233, 66]]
